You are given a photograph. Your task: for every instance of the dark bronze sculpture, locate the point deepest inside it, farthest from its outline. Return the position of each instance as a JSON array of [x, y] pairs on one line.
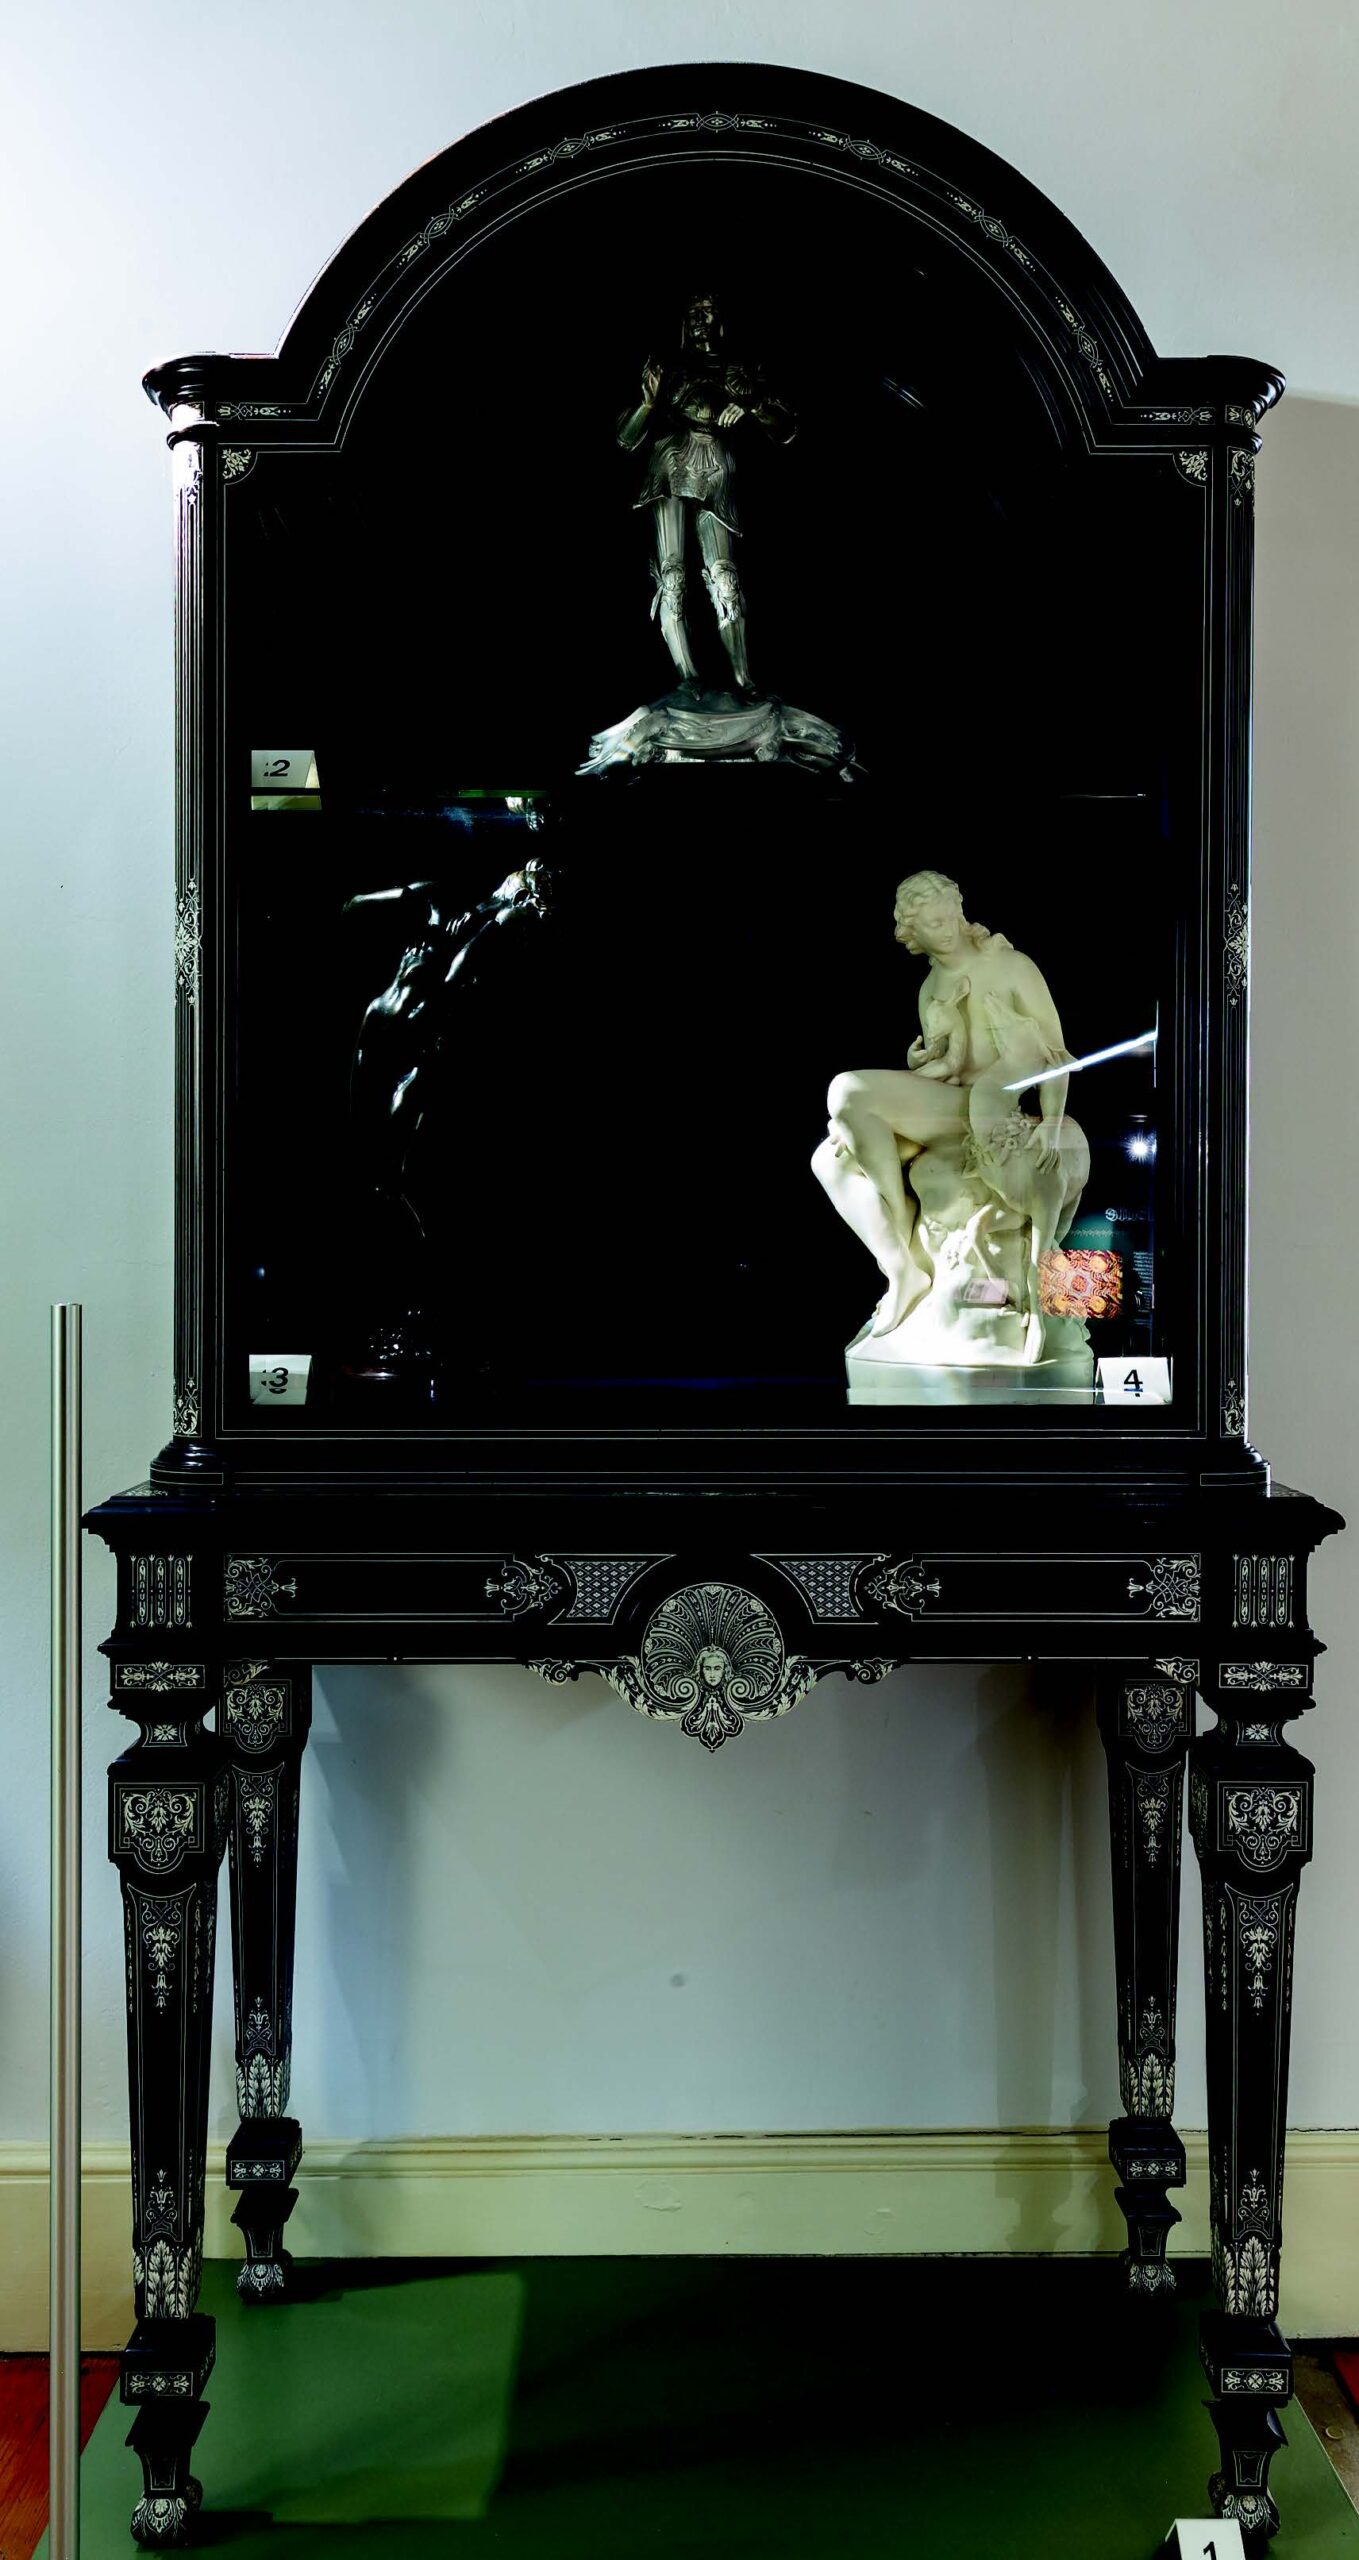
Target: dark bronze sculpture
[[404, 1028], [398, 1058]]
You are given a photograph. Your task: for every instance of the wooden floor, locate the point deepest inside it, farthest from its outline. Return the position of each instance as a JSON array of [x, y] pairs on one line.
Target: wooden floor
[[23, 2442]]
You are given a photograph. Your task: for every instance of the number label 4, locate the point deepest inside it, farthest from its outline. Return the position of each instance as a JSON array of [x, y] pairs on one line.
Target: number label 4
[[1135, 1378]]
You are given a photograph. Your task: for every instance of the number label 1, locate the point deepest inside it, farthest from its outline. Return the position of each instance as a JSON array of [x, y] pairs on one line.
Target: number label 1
[[1135, 1378], [1204, 2538], [279, 1377]]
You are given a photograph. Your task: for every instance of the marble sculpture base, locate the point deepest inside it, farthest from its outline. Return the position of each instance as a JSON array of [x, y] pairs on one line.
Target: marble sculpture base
[[1065, 1378]]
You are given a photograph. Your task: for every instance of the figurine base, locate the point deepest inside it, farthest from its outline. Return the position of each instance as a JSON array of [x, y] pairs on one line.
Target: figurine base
[[1069, 1379], [700, 724]]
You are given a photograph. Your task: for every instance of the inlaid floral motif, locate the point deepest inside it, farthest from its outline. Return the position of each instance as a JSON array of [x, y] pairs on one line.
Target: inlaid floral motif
[[1150, 2275], [1263, 1823], [1262, 1591], [167, 2277], [160, 1824], [257, 1796], [160, 1591], [1243, 2263], [1263, 1675], [255, 1712], [1152, 1798], [159, 1675], [161, 1925], [1259, 1920], [1147, 2074], [1154, 1714], [262, 2076]]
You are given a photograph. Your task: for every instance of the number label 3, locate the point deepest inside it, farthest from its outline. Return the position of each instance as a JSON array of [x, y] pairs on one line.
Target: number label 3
[[279, 1377]]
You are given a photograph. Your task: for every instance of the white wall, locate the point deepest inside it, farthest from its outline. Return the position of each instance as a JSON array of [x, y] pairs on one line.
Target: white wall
[[525, 1909]]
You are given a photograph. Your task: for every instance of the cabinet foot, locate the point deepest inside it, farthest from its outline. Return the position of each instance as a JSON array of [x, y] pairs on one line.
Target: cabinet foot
[[1149, 2157], [263, 2154], [263, 2275], [1250, 2372], [163, 2437]]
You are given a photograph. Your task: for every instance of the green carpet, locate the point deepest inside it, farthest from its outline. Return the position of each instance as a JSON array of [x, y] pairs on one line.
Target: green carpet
[[659, 2409]]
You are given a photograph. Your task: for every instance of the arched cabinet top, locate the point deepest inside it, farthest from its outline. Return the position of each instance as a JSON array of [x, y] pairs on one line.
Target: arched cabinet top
[[997, 247]]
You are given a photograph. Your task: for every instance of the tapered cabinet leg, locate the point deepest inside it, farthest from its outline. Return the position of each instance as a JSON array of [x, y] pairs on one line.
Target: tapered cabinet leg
[[1146, 1722], [1251, 1814], [266, 1714], [167, 1827]]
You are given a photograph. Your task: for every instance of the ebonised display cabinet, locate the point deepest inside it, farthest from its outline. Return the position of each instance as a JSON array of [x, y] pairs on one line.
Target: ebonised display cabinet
[[510, 1321]]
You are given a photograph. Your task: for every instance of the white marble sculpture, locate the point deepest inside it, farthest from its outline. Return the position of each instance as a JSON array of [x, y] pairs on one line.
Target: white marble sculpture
[[955, 1188]]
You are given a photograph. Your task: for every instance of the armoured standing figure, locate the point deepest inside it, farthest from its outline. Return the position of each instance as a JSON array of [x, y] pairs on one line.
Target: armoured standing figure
[[686, 413]]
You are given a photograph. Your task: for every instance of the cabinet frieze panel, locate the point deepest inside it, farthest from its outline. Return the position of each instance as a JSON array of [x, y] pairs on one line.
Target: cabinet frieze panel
[[1052, 1587], [331, 1587]]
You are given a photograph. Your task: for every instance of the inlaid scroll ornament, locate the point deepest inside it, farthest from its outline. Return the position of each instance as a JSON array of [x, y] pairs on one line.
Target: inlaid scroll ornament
[[252, 1587], [906, 1587], [1174, 1586], [519, 1586], [712, 1658], [1181, 1667]]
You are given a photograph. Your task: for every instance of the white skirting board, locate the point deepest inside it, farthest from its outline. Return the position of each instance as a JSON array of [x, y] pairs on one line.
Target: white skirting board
[[1027, 2194]]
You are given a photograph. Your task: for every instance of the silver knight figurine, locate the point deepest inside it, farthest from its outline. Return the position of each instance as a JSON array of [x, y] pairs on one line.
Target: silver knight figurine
[[686, 413]]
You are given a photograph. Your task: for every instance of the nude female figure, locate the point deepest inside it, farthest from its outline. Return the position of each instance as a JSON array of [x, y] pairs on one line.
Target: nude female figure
[[951, 1097]]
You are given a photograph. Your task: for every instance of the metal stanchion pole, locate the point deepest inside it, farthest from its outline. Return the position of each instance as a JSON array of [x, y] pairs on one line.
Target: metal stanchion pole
[[64, 2260]]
